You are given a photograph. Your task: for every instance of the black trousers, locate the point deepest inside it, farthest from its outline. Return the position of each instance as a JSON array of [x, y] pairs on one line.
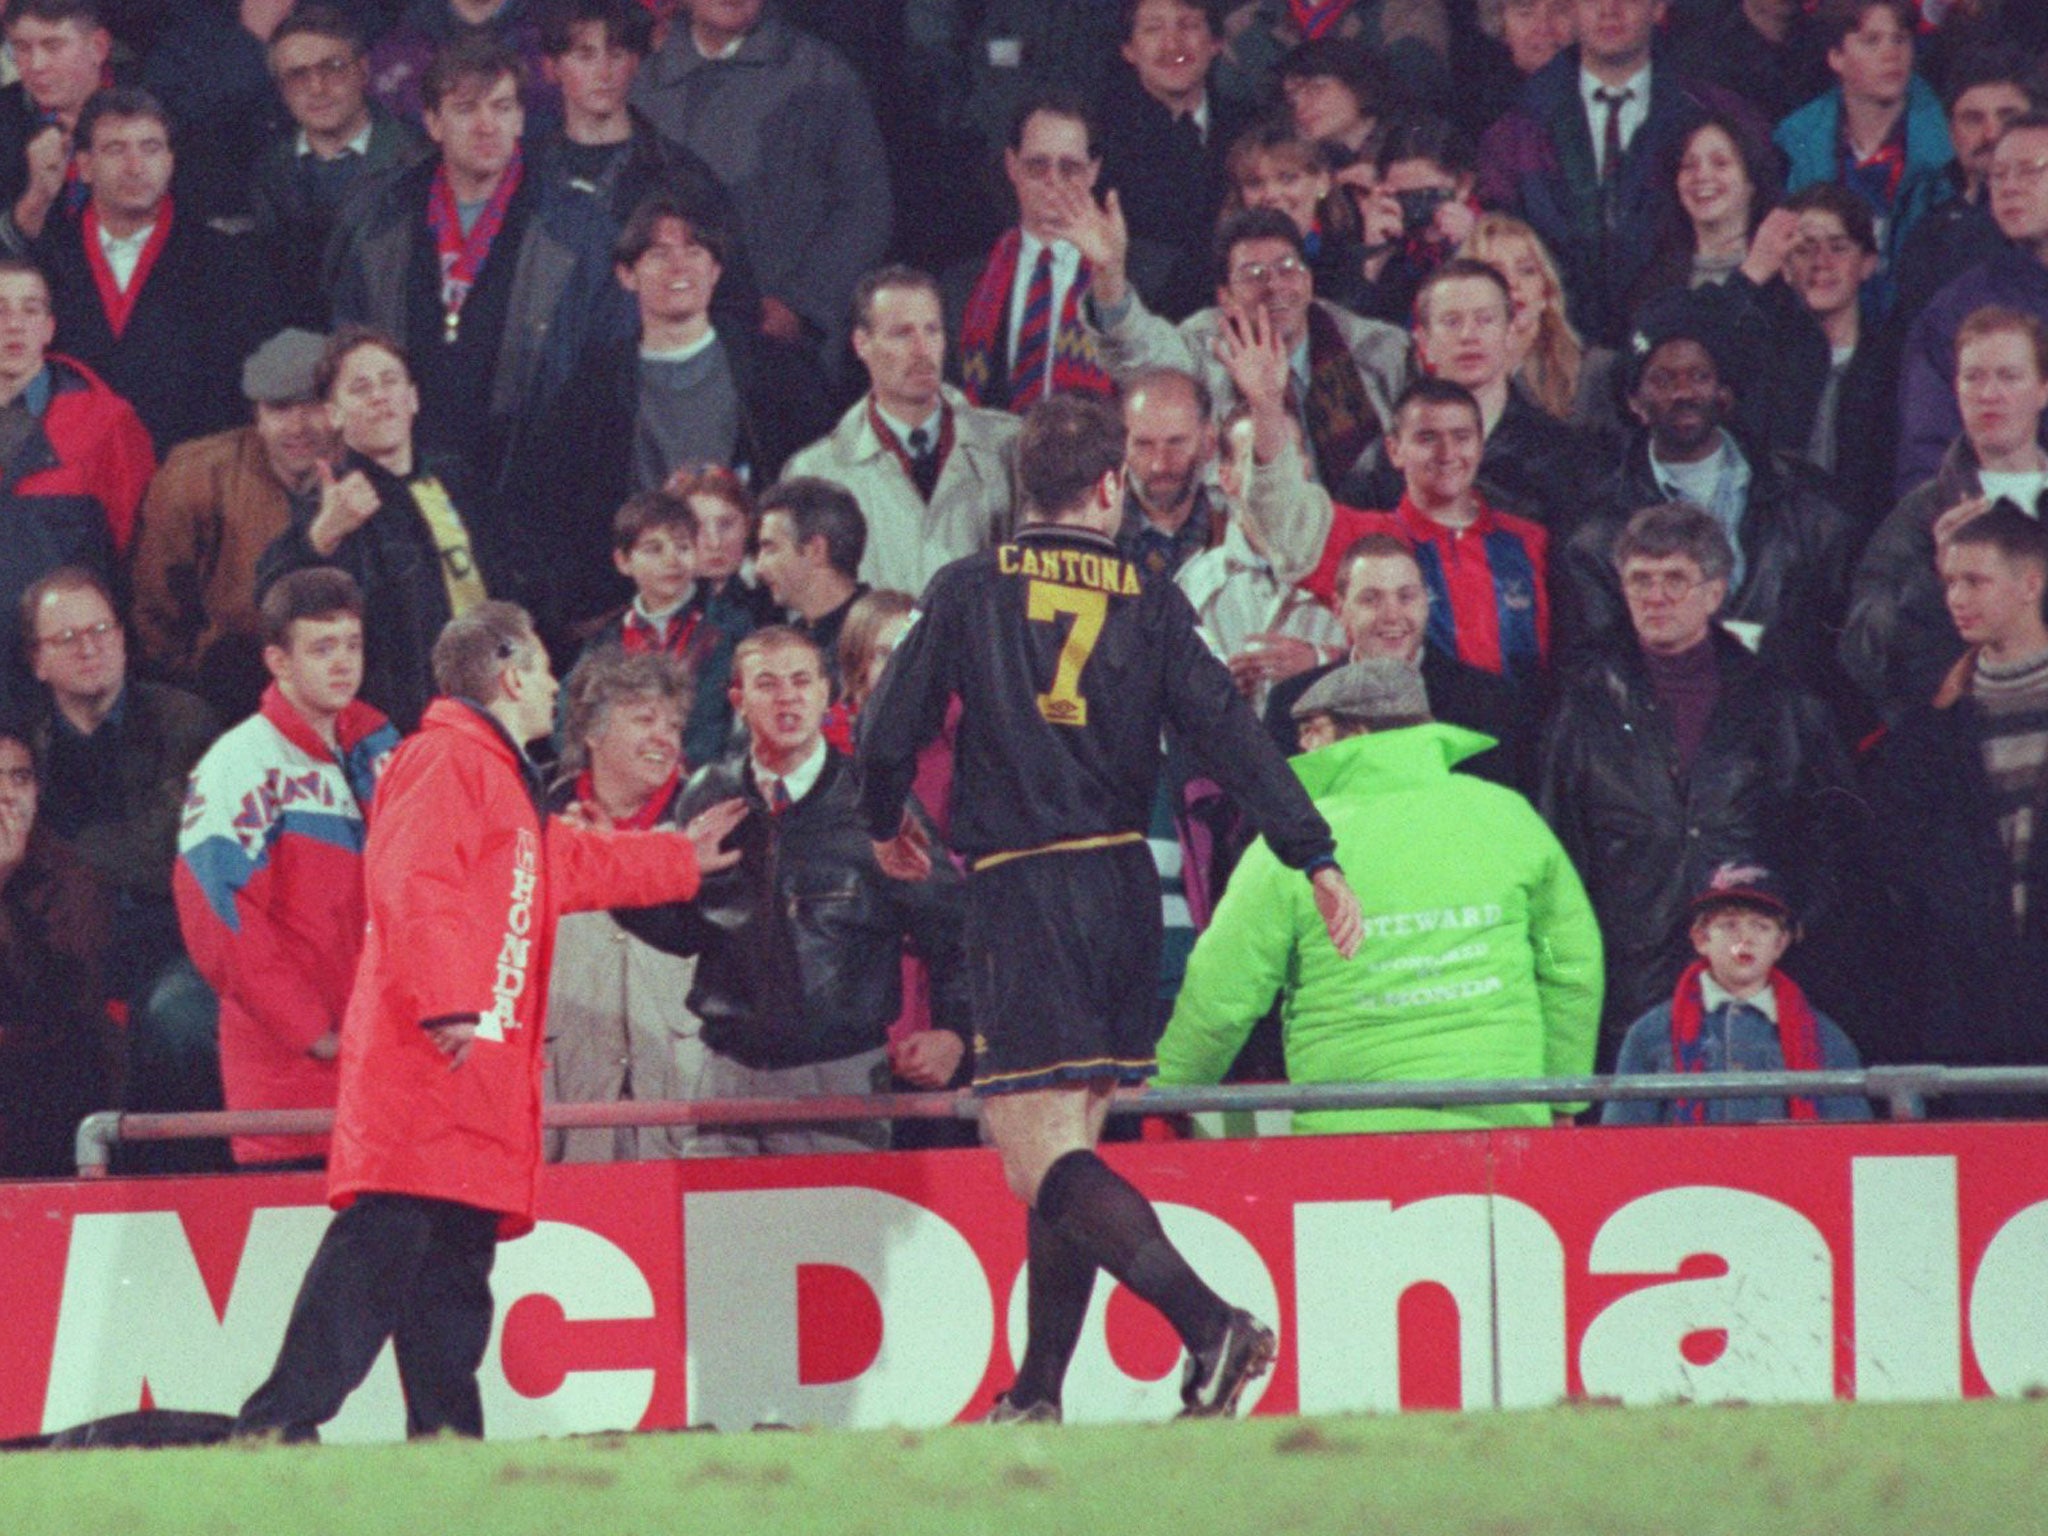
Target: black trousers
[[399, 1267]]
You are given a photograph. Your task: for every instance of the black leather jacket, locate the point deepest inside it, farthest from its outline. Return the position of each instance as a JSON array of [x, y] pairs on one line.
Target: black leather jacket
[[1797, 548], [1770, 784], [800, 943]]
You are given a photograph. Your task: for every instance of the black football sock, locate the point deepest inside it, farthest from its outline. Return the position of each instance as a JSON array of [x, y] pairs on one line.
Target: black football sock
[[1056, 1304], [1105, 1218]]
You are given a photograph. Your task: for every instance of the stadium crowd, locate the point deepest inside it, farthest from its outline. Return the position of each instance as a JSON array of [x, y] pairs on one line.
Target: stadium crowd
[[1629, 409]]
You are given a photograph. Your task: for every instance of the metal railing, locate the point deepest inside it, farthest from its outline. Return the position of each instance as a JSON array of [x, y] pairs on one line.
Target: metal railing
[[1904, 1090]]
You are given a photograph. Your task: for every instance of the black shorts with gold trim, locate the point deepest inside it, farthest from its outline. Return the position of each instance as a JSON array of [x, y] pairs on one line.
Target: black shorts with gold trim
[[1063, 949]]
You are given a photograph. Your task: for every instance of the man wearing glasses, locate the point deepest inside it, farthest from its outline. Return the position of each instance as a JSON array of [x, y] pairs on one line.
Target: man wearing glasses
[[2016, 278], [74, 461], [339, 139], [1674, 749], [1344, 371], [116, 754]]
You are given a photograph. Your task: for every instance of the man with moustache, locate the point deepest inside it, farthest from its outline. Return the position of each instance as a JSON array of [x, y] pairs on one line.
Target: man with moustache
[[931, 472]]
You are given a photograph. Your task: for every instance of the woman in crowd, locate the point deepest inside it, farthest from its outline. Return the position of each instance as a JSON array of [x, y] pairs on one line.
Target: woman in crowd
[[1725, 180], [1558, 371], [1272, 166]]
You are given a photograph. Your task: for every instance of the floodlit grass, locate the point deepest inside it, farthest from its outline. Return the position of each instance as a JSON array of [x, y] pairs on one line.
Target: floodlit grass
[[1953, 1469]]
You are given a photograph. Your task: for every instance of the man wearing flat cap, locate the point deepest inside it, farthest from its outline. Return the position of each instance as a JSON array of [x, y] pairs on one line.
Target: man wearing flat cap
[[1482, 957], [211, 511]]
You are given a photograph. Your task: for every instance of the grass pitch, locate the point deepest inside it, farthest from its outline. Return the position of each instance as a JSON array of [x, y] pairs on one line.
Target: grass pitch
[[1957, 1469]]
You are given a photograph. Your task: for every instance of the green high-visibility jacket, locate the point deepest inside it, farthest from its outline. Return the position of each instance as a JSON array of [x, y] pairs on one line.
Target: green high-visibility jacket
[[1481, 955]]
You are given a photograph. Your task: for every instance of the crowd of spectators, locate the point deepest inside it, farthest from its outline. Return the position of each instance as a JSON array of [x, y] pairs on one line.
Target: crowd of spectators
[[1658, 384]]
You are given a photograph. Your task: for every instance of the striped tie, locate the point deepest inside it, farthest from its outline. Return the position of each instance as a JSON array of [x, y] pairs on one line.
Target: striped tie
[[1034, 337]]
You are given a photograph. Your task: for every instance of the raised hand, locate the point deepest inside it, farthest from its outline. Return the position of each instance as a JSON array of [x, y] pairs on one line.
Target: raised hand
[[708, 830], [1770, 245], [1098, 232], [345, 505]]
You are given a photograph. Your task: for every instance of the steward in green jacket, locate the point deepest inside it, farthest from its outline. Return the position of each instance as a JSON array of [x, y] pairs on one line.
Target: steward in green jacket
[[1481, 957]]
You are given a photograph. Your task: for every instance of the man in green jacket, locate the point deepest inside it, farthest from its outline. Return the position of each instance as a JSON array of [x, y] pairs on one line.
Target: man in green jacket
[[1482, 957]]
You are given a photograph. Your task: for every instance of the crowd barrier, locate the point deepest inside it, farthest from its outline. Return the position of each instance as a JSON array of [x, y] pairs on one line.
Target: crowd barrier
[[1776, 1263]]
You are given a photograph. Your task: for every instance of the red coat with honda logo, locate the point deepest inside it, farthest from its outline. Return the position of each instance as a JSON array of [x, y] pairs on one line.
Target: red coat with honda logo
[[465, 878]]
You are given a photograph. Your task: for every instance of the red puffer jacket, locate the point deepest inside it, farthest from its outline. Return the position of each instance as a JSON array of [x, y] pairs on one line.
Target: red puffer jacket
[[465, 880]]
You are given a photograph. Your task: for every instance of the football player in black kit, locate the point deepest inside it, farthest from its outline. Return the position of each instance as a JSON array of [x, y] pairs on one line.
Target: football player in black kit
[[1067, 667]]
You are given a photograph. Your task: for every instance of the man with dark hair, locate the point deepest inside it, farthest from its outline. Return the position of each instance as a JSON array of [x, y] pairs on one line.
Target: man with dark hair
[[1958, 790], [1673, 749], [1067, 667], [785, 123], [608, 150], [61, 48], [1898, 641], [161, 304], [437, 1135], [74, 461], [1164, 131], [1791, 545], [210, 513], [2014, 278], [690, 387], [1343, 371], [1384, 605], [339, 139], [385, 516], [809, 555], [931, 471], [116, 752], [491, 288], [1985, 92], [1880, 131], [1021, 336], [796, 995], [1856, 414], [1487, 571], [1581, 156], [1533, 465], [269, 879]]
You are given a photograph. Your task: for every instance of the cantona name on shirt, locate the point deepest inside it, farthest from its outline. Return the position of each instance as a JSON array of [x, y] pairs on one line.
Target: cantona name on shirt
[[1074, 567]]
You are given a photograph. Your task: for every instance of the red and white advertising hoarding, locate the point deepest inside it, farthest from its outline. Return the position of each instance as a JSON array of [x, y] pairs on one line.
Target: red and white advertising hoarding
[[1510, 1269]]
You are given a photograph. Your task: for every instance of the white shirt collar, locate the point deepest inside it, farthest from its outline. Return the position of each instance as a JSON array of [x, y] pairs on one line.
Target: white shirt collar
[[1639, 83], [1713, 995], [930, 424], [359, 145], [684, 353], [799, 781], [660, 620]]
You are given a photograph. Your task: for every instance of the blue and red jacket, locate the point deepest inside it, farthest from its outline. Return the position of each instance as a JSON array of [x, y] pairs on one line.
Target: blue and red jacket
[[269, 886], [1489, 582]]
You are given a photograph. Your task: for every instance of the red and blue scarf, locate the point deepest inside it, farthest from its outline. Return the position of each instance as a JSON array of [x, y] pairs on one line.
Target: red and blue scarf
[[463, 256], [984, 333]]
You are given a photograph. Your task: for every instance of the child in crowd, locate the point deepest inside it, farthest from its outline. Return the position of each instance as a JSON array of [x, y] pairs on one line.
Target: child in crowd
[[654, 546], [1735, 1011]]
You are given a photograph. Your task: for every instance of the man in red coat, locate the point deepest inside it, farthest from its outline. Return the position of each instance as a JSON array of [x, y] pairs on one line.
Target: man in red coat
[[436, 1149]]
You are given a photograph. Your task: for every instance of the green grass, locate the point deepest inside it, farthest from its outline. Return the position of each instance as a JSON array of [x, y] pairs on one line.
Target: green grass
[[1951, 1469]]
